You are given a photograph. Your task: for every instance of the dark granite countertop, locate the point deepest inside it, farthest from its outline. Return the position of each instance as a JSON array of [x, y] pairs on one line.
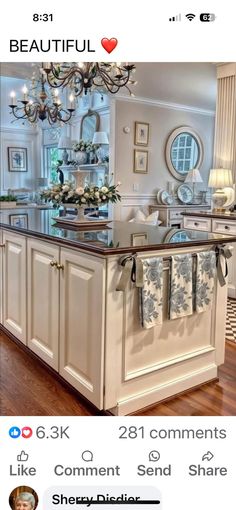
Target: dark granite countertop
[[117, 237], [210, 214]]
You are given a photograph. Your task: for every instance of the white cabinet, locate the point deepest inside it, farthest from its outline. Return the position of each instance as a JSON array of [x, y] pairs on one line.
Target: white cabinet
[[14, 284], [82, 309], [219, 226], [43, 301], [172, 215], [66, 314], [193, 223]]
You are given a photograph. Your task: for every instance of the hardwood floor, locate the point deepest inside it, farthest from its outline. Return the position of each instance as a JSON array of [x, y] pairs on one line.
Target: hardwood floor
[[28, 389]]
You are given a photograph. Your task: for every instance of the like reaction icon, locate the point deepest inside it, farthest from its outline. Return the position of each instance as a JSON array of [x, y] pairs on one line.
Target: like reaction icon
[[25, 432]]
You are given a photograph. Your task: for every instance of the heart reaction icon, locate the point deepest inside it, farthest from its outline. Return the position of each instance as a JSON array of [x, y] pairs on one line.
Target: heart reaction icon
[[109, 44], [26, 432]]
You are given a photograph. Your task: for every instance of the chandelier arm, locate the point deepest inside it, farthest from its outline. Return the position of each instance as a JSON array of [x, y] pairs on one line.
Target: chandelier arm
[[65, 80]]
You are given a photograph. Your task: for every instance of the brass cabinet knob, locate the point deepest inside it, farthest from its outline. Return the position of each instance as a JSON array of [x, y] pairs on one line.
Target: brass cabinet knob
[[2, 245], [60, 266], [53, 263]]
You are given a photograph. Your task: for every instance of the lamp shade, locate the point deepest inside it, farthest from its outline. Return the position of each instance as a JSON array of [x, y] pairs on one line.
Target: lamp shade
[[220, 177], [193, 176], [100, 137], [64, 142]]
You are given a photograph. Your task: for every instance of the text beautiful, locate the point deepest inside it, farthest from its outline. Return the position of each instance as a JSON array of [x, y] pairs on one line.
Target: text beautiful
[[56, 45]]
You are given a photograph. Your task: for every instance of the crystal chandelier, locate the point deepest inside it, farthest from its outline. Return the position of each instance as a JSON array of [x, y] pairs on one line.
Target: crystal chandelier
[[82, 77], [40, 105]]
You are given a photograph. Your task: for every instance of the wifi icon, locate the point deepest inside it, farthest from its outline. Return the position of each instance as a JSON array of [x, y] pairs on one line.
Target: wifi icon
[[190, 17]]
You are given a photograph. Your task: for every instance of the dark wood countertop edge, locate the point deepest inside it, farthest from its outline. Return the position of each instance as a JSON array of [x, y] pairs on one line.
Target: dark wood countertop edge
[[86, 247], [210, 215]]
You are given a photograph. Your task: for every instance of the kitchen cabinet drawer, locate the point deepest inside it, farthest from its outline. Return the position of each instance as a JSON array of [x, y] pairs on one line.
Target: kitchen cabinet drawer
[[223, 226], [195, 223], [176, 214]]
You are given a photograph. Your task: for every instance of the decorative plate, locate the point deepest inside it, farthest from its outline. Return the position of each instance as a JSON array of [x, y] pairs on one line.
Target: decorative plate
[[230, 193], [185, 193], [159, 196], [166, 198]]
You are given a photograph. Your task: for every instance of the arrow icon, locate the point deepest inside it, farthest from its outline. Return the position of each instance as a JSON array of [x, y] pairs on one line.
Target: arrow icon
[[207, 456]]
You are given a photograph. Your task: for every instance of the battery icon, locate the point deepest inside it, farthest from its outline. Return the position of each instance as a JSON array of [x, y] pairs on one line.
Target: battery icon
[[206, 16]]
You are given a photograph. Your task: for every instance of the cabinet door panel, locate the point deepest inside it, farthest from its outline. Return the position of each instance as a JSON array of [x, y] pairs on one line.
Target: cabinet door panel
[[81, 324], [43, 301], [14, 285]]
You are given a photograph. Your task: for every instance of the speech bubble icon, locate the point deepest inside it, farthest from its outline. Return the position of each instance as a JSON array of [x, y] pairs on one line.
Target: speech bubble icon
[[154, 456], [87, 456]]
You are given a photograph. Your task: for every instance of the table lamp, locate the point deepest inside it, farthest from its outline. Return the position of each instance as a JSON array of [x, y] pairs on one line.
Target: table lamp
[[193, 176], [219, 178], [65, 143], [100, 138]]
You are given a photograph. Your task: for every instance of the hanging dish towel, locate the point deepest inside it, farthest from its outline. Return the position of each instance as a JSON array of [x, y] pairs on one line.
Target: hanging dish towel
[[181, 286], [205, 279], [151, 294]]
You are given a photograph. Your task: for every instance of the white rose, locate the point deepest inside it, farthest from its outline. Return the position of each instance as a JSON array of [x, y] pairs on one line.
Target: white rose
[[65, 188], [104, 197], [57, 197], [71, 194], [83, 200], [104, 189], [96, 194], [79, 190]]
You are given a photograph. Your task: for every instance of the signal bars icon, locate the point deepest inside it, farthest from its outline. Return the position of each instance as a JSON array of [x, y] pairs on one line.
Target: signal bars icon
[[175, 18]]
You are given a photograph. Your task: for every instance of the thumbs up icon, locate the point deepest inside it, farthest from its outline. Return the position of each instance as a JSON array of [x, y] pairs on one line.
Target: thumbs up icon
[[22, 457]]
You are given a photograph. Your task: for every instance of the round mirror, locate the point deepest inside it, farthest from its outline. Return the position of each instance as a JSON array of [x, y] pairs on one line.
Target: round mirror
[[184, 151], [89, 124]]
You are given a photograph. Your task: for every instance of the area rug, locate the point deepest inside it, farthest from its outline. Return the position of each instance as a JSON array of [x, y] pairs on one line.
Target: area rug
[[231, 320]]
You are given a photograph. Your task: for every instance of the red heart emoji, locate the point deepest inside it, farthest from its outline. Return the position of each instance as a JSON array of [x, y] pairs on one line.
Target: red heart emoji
[[109, 44]]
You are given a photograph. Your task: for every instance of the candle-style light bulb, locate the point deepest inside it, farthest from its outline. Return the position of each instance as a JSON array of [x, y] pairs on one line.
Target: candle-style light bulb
[[25, 92], [13, 98], [72, 101]]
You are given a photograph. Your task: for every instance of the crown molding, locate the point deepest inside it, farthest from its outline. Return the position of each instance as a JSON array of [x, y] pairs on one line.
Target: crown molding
[[17, 131], [164, 104]]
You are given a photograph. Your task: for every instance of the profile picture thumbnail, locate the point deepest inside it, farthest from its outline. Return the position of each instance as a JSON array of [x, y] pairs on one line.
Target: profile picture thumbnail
[[23, 498]]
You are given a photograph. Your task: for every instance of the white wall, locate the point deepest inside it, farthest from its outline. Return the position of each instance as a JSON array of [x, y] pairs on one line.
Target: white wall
[[16, 134], [162, 121]]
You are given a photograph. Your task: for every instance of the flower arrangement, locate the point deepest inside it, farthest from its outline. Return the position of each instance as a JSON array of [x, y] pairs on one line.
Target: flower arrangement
[[84, 146], [60, 194]]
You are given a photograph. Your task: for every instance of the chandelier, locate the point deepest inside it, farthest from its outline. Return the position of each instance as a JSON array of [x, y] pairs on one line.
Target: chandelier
[[39, 105], [82, 77]]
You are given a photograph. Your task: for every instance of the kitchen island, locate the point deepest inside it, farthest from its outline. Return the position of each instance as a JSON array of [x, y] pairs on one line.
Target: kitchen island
[[59, 299]]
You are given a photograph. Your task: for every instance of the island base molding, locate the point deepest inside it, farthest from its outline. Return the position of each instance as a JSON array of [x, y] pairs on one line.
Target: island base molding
[[165, 392]]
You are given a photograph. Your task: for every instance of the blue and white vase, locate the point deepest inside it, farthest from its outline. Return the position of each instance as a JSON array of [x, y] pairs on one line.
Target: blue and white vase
[[81, 157]]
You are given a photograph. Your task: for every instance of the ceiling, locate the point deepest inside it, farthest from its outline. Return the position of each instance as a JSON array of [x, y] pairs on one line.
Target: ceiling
[[187, 83]]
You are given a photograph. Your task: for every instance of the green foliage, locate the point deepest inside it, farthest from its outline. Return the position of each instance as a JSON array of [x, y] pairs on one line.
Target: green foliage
[[7, 198]]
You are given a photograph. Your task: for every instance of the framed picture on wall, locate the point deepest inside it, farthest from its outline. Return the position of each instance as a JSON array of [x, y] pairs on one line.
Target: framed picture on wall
[[141, 133], [140, 161], [17, 159], [19, 220]]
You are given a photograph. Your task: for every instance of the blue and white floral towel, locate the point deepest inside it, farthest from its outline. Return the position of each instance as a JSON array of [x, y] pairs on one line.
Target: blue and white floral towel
[[205, 279], [181, 286], [151, 294]]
